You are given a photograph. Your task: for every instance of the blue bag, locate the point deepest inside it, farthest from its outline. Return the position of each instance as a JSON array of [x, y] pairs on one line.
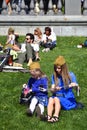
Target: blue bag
[[85, 43]]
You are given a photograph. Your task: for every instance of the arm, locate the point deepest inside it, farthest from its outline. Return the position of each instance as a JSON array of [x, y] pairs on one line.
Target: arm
[[8, 39], [44, 38], [74, 83], [40, 87], [53, 87], [73, 80], [29, 51], [44, 85]]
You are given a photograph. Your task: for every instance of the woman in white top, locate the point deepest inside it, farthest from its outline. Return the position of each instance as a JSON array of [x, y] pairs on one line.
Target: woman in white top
[[48, 39]]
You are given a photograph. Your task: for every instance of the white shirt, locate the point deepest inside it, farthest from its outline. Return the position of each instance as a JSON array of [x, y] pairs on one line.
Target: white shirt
[[51, 37]]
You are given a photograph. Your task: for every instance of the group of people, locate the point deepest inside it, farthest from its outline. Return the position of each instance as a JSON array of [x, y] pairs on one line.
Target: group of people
[[62, 84], [29, 50], [62, 81]]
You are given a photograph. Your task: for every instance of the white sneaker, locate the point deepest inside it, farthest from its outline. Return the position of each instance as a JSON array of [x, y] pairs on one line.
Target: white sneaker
[[47, 49], [43, 50]]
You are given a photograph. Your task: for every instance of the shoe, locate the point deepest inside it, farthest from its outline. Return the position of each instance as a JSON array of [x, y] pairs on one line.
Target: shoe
[[47, 49], [1, 51], [47, 118], [29, 112], [43, 50], [28, 64], [43, 118], [55, 118], [38, 111]]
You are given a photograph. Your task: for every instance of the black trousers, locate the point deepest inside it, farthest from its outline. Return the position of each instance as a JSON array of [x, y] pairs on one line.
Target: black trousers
[[54, 2], [1, 1]]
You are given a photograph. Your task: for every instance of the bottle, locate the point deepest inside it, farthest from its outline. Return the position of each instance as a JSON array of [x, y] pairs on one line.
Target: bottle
[[10, 61], [77, 91]]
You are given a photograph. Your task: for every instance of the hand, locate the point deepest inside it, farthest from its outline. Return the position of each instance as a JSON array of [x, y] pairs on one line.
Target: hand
[[30, 90], [58, 88], [73, 85], [54, 89]]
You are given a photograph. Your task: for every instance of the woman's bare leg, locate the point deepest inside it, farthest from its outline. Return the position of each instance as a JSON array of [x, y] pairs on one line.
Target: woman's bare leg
[[57, 107], [50, 107]]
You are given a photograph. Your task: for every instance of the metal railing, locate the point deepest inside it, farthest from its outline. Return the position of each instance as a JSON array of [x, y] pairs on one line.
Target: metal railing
[[44, 7]]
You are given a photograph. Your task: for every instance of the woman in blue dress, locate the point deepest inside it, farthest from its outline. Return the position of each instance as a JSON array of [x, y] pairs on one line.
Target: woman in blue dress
[[63, 97], [38, 85]]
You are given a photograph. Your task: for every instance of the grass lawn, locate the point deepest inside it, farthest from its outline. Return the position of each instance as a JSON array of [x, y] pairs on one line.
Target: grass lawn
[[13, 115]]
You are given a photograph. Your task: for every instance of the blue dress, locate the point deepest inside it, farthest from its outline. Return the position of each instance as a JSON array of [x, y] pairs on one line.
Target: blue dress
[[66, 96]]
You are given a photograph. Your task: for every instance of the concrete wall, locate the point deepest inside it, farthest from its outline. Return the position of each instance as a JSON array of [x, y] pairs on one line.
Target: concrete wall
[[62, 25]]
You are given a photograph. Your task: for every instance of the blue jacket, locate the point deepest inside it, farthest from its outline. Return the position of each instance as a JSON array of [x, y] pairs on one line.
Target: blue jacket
[[39, 86]]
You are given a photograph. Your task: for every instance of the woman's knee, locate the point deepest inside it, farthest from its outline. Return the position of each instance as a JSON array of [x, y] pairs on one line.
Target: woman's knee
[[56, 100], [51, 100]]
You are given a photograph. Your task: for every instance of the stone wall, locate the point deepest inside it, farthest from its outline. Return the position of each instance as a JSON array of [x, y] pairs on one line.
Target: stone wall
[[62, 25], [70, 19]]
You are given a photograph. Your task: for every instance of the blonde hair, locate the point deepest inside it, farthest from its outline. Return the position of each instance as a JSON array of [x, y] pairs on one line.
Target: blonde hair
[[10, 30], [39, 33], [40, 73]]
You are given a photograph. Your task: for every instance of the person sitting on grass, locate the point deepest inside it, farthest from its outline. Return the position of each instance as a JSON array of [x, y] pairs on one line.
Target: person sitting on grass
[[11, 42], [38, 84], [36, 43], [48, 39], [29, 53], [62, 97]]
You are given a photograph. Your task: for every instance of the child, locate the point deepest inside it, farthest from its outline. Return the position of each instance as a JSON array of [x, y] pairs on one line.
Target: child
[[38, 84]]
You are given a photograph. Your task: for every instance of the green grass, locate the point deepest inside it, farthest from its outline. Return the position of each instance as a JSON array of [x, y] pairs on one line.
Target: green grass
[[13, 115]]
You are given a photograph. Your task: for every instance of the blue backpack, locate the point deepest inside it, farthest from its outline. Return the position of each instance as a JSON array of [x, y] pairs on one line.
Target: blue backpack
[[85, 43]]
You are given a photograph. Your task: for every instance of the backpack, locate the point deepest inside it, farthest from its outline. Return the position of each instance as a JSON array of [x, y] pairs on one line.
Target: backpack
[[25, 96], [85, 43]]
